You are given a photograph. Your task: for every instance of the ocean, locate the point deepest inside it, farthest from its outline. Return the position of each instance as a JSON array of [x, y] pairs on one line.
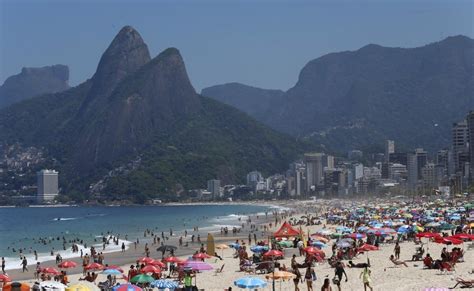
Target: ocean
[[22, 227]]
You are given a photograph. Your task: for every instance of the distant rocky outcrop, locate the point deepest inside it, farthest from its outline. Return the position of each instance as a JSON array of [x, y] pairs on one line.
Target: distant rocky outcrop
[[32, 82], [355, 99]]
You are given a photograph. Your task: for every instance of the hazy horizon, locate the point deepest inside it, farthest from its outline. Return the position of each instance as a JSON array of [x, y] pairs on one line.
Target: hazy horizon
[[221, 42]]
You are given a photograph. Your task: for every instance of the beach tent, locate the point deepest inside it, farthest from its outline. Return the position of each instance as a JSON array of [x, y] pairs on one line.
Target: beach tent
[[286, 230]]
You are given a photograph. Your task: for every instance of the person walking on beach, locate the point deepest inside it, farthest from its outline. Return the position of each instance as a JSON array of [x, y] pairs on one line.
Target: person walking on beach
[[365, 275], [397, 251], [3, 265], [297, 278], [24, 264], [123, 247], [310, 276], [338, 272]]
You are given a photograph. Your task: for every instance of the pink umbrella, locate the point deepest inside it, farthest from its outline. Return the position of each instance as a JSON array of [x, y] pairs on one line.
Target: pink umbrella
[[126, 287], [197, 266]]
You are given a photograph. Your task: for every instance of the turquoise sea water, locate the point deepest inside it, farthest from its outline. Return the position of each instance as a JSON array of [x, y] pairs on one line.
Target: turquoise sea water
[[20, 226]]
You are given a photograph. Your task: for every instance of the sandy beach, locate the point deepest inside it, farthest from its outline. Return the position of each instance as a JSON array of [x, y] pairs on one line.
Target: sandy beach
[[385, 275]]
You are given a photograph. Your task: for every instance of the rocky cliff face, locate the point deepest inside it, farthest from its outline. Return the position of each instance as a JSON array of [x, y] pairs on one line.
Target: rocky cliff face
[[32, 82]]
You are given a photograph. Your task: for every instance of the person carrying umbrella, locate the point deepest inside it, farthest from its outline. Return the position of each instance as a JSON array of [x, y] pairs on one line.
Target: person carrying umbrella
[[365, 275]]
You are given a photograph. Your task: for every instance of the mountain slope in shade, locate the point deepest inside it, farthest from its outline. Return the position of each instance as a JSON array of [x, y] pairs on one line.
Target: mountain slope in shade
[[142, 131], [356, 98], [32, 82], [254, 101]]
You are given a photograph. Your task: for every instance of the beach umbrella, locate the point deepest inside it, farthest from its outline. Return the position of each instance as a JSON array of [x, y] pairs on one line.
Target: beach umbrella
[[320, 238], [67, 264], [433, 224], [222, 246], [273, 254], [427, 234], [142, 278], [145, 260], [464, 236], [285, 244], [312, 250], [234, 245], [250, 283], [16, 286], [126, 287], [150, 269], [343, 244], [165, 283], [448, 240], [356, 235], [50, 270], [4, 278], [83, 286], [259, 249], [52, 285], [166, 248], [324, 232], [157, 263], [318, 244], [173, 260], [201, 256], [113, 272], [367, 248], [197, 266], [114, 267], [94, 267]]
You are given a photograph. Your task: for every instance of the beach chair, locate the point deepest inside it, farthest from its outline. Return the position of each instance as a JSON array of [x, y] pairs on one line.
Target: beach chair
[[463, 283], [219, 270], [446, 267]]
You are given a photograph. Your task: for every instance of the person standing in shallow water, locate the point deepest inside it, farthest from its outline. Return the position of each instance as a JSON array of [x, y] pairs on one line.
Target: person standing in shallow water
[[24, 264]]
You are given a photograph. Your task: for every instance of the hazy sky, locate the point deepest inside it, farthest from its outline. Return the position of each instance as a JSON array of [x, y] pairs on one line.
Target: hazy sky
[[260, 43]]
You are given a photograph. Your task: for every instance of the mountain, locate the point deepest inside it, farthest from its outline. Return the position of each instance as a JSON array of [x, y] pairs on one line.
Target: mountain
[[353, 99], [137, 129], [251, 100], [32, 82]]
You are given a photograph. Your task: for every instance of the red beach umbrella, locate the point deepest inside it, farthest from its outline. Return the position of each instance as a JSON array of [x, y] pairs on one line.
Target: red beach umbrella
[[428, 234], [150, 269], [67, 264], [95, 267], [4, 278], [173, 260], [448, 240], [50, 270], [273, 254], [464, 236], [201, 256], [157, 263], [367, 248], [145, 260], [313, 250]]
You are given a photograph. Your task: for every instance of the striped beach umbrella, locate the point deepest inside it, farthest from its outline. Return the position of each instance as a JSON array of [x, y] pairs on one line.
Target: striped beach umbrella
[[164, 284]]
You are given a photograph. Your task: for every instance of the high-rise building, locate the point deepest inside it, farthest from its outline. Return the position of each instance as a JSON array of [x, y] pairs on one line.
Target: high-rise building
[[412, 171], [421, 160], [460, 135], [299, 181], [398, 158], [47, 185], [314, 170], [389, 149], [470, 122], [214, 186], [329, 162]]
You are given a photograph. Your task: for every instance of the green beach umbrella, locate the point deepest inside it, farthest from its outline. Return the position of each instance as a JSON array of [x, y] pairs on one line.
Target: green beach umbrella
[[142, 278]]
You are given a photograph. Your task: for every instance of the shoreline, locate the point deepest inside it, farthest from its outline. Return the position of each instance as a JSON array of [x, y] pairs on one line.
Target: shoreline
[[131, 254]]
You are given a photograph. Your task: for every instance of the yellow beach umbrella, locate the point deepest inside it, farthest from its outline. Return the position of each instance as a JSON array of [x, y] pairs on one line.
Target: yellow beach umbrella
[[82, 286], [222, 246]]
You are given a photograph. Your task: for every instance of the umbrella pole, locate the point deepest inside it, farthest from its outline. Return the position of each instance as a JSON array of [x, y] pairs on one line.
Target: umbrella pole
[[273, 277]]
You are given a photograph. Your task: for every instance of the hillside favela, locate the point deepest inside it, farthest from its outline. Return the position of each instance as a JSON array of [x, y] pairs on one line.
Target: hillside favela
[[236, 145]]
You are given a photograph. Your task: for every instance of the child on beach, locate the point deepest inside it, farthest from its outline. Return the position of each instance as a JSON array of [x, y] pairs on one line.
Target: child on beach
[[365, 274]]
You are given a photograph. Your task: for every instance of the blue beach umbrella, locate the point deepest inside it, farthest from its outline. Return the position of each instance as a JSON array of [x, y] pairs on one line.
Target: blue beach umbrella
[[164, 283], [250, 283], [259, 249], [112, 272], [318, 244]]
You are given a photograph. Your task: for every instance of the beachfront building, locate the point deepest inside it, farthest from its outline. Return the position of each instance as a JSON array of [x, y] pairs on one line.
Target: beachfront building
[[214, 188], [314, 170], [470, 123], [47, 185]]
